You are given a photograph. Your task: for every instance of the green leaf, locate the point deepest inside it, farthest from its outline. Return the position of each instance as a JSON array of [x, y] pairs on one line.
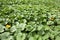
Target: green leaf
[[13, 28], [46, 27], [20, 36], [32, 38], [46, 36], [40, 38], [57, 38], [1, 28], [5, 35], [39, 27]]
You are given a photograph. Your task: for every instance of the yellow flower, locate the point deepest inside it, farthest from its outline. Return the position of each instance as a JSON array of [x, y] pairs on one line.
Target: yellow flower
[[8, 26], [52, 18]]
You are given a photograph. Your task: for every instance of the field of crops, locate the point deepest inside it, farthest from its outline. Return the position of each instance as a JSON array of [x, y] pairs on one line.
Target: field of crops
[[29, 19]]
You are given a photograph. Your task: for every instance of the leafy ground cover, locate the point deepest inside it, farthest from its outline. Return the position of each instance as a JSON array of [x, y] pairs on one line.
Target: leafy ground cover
[[29, 20]]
